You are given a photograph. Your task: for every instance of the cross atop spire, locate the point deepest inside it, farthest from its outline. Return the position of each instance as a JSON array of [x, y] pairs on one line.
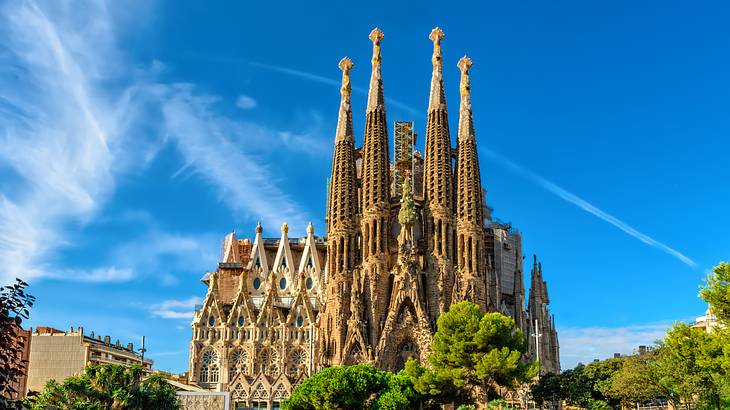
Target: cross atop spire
[[344, 120]]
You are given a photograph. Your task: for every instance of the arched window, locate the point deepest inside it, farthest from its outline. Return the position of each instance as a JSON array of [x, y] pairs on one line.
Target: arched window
[[209, 372], [239, 363], [274, 371], [298, 360]]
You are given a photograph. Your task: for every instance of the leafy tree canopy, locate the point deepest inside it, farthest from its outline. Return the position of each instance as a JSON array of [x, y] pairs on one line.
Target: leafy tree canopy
[[473, 353], [107, 386], [14, 308], [716, 291]]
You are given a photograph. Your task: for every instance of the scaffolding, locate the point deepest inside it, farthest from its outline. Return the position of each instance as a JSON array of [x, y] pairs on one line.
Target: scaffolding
[[405, 138]]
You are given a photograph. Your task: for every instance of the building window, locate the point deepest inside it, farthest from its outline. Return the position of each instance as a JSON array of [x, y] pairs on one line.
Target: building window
[[209, 372], [300, 321], [282, 283], [257, 283], [239, 363], [283, 262], [310, 283], [241, 321], [211, 320]]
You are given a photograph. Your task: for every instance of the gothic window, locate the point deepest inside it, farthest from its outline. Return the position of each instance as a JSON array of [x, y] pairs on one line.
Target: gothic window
[[257, 263], [309, 262], [256, 283], [209, 372], [274, 363], [264, 358], [299, 357], [282, 283], [300, 321], [241, 321], [211, 320], [310, 283], [239, 363], [283, 262]]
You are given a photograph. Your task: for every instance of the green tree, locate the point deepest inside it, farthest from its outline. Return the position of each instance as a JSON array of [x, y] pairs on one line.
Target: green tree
[[338, 388], [716, 291], [474, 353], [597, 376], [549, 387], [14, 307], [107, 386], [635, 381], [688, 366]]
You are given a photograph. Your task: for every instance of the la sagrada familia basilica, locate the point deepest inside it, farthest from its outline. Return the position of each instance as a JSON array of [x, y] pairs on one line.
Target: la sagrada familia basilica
[[405, 239]]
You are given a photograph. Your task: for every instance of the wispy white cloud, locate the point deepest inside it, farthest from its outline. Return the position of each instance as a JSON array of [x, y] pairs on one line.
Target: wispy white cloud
[[584, 344], [175, 308], [587, 206], [203, 137], [245, 102], [76, 114], [56, 133], [336, 83]]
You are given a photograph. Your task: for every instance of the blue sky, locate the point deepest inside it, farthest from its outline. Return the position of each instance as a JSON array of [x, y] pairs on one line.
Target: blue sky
[[134, 136]]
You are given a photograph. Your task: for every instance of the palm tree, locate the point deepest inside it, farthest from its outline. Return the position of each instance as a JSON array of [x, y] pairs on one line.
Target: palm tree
[[108, 387]]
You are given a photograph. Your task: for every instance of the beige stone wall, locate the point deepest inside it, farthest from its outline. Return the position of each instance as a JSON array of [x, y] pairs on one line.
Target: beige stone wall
[[203, 401], [56, 357]]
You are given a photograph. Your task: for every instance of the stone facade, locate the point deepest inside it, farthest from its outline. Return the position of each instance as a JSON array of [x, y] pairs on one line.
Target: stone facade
[[396, 256]]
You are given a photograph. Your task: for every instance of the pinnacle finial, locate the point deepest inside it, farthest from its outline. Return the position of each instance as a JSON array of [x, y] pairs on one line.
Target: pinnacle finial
[[464, 65], [310, 228], [436, 36], [346, 65], [284, 228], [376, 36], [344, 120], [259, 229]]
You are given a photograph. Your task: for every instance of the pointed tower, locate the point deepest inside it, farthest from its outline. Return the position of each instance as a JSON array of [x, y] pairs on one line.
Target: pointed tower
[[341, 230], [375, 211], [545, 348], [438, 189], [471, 281]]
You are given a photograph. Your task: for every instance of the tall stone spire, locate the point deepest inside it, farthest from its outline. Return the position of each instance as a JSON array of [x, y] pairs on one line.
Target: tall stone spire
[[375, 202], [438, 189], [469, 218], [341, 228], [541, 322]]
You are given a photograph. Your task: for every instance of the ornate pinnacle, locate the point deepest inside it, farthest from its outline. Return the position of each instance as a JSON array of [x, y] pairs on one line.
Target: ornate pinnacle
[[259, 229], [310, 228], [436, 36], [344, 120], [376, 36], [284, 228], [375, 93], [464, 65], [346, 65]]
